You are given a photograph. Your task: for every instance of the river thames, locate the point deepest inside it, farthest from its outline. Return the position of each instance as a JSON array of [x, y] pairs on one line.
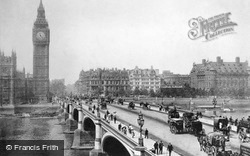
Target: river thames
[[15, 128]]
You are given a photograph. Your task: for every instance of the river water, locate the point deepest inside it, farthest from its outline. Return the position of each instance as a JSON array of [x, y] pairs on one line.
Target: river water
[[14, 128]]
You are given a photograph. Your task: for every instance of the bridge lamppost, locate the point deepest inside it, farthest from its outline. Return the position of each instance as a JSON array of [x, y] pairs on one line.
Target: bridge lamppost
[[214, 103], [140, 121]]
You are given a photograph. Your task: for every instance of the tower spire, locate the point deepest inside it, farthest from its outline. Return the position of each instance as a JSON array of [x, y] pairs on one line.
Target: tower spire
[[40, 10], [41, 5]]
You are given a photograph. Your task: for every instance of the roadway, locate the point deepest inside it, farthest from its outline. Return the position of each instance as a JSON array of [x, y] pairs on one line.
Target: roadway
[[155, 122]]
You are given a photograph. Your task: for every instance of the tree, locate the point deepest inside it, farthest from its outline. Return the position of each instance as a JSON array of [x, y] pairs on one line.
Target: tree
[[57, 87], [121, 91], [144, 92], [158, 93], [151, 93], [137, 91]]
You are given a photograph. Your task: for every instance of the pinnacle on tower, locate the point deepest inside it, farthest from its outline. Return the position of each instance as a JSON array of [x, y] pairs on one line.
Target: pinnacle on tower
[[40, 10], [41, 5]]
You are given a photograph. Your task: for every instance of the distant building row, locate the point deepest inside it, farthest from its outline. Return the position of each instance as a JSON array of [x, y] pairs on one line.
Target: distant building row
[[113, 80], [218, 76]]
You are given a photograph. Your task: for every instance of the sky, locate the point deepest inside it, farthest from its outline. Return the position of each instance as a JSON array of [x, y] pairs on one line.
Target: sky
[[89, 34]]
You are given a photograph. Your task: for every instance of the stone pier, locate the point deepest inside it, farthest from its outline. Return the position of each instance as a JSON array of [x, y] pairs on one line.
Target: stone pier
[[98, 151], [82, 139], [71, 124], [64, 115]]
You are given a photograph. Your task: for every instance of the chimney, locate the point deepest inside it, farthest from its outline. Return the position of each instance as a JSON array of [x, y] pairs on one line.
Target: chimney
[[237, 59], [204, 61], [218, 59]]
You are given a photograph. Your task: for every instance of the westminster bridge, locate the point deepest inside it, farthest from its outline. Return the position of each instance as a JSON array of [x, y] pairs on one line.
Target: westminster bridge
[[112, 141], [93, 132]]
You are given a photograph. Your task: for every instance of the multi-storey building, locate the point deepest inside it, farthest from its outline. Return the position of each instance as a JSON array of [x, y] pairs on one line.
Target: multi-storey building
[[145, 79], [108, 81], [220, 75], [174, 79]]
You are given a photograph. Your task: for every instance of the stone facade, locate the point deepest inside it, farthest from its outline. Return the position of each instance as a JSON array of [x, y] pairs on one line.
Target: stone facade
[[174, 79], [145, 79], [102, 81], [41, 40], [221, 76], [13, 83]]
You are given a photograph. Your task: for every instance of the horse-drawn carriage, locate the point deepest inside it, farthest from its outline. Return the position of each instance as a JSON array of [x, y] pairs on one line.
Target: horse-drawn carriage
[[187, 124], [212, 143], [145, 105], [120, 101], [221, 125], [244, 130], [173, 113], [131, 105]]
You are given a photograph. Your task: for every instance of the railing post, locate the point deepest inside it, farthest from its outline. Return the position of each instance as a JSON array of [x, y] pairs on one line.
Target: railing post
[[98, 134], [80, 115], [70, 111]]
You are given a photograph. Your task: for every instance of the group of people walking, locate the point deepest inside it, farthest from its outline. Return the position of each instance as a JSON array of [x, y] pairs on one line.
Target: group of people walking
[[158, 148]]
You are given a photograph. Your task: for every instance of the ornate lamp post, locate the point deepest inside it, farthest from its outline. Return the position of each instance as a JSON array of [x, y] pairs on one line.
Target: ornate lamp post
[[140, 121], [214, 103]]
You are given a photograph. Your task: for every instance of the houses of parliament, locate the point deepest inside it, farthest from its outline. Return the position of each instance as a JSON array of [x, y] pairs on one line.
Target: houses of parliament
[[18, 87]]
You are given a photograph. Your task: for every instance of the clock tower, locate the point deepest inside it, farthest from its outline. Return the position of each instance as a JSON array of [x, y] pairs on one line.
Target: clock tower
[[41, 39]]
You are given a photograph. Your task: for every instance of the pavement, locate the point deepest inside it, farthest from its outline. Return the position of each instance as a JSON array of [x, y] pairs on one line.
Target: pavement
[[148, 143]]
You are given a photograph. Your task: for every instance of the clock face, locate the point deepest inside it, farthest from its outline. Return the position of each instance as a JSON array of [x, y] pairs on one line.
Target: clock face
[[40, 35]]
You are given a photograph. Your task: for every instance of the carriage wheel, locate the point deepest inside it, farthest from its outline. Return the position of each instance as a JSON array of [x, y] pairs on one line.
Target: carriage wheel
[[207, 150], [213, 151], [173, 129]]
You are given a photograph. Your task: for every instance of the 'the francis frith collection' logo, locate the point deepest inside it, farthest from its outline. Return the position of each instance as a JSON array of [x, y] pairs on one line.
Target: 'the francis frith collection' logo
[[210, 28]]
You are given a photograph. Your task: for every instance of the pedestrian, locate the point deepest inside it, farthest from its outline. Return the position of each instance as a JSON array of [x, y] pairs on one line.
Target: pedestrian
[[124, 129], [94, 107], [156, 146], [133, 132], [119, 126], [105, 116], [111, 116], [160, 147], [107, 112], [146, 133], [129, 128], [237, 128], [236, 122], [170, 148], [114, 119]]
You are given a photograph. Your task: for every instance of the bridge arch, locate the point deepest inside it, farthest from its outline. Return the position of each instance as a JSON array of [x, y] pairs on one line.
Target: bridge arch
[[112, 146], [75, 114], [89, 125]]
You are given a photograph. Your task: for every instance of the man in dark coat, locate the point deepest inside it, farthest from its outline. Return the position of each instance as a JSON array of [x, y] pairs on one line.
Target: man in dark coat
[[170, 148], [156, 146], [160, 147], [146, 133]]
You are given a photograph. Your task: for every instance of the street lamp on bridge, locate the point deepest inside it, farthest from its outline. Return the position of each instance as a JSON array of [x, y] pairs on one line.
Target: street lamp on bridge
[[140, 121]]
